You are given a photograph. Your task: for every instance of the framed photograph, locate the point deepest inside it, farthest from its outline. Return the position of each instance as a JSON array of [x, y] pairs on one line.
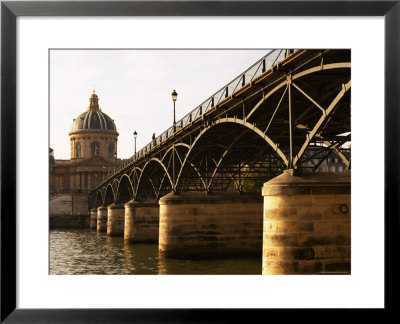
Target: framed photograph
[[124, 115]]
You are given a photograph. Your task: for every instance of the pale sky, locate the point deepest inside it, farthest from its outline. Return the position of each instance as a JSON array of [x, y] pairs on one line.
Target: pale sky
[[134, 88]]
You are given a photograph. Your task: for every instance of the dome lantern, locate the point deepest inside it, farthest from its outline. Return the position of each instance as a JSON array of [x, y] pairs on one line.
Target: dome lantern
[[94, 102]]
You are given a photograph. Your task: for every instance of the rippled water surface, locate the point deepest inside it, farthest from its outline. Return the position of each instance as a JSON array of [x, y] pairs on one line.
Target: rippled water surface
[[85, 251]]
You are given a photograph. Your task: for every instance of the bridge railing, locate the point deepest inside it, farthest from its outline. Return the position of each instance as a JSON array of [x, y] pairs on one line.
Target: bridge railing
[[259, 67]]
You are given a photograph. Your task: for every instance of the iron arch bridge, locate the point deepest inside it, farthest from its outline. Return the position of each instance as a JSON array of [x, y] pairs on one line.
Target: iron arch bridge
[[269, 118]]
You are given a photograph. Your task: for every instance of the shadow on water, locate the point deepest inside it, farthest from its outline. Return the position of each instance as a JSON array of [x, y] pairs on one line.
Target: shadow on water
[[85, 251]]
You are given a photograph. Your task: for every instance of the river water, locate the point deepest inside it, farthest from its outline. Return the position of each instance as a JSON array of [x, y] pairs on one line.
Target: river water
[[85, 251]]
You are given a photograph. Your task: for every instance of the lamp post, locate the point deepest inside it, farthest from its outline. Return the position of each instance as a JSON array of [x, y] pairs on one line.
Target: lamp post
[[134, 136], [174, 96]]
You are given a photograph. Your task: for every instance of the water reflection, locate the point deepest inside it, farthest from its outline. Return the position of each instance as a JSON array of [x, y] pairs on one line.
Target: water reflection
[[85, 251]]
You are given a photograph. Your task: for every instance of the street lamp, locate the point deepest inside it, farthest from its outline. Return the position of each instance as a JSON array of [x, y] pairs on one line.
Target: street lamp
[[134, 136], [174, 96]]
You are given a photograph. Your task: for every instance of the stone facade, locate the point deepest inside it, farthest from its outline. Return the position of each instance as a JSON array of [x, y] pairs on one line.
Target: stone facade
[[94, 140]]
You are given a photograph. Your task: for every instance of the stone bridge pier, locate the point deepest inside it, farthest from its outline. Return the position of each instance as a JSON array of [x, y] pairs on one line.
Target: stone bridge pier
[[141, 221], [115, 220], [200, 225], [101, 219], [307, 224], [93, 218]]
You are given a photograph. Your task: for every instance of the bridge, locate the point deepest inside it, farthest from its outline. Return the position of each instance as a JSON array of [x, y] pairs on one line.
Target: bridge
[[262, 134]]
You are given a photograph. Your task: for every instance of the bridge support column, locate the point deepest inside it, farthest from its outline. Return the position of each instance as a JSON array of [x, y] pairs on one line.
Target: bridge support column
[[196, 225], [141, 221], [93, 218], [115, 220], [102, 219], [307, 224]]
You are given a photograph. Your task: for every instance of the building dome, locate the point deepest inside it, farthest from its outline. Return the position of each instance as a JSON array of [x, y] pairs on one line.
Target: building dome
[[93, 118]]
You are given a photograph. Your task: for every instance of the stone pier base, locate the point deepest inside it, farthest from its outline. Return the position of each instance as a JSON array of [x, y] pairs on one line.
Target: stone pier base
[[307, 224], [102, 219], [115, 220], [196, 225], [141, 221], [93, 218]]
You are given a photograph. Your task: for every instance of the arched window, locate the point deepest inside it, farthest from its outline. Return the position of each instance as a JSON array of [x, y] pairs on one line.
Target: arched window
[[78, 150], [95, 148], [110, 151]]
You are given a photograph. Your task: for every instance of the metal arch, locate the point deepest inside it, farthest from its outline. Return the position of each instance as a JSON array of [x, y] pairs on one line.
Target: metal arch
[[265, 97], [237, 121], [104, 191], [115, 181], [171, 148], [135, 177], [120, 180], [111, 185], [192, 165], [258, 131], [289, 82], [119, 185], [154, 188], [144, 168], [198, 173], [134, 169], [177, 155], [296, 76], [223, 156], [171, 157], [115, 185], [99, 192], [323, 67], [325, 115]]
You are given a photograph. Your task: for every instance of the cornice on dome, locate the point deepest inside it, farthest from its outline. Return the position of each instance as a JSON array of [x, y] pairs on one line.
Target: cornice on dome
[[85, 131]]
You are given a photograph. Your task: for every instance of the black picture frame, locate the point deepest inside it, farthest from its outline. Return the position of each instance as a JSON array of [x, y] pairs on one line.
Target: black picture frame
[[10, 10]]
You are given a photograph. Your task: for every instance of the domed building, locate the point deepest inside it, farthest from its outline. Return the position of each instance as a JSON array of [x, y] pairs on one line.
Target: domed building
[[93, 140], [93, 134]]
